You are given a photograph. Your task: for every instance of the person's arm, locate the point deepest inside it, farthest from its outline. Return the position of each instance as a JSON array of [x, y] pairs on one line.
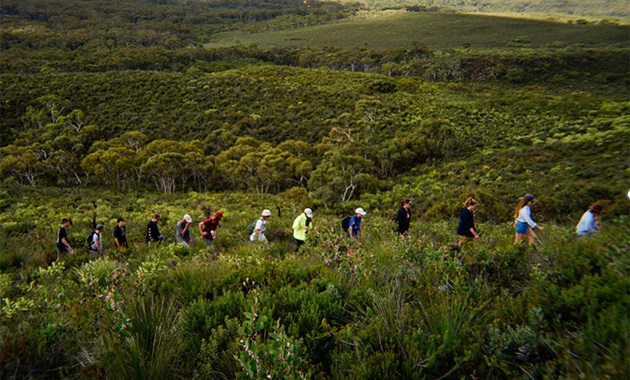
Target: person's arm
[[472, 231], [201, 224], [65, 242], [525, 213]]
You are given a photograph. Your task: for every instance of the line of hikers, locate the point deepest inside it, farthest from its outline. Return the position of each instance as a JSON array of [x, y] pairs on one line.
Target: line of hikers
[[523, 225]]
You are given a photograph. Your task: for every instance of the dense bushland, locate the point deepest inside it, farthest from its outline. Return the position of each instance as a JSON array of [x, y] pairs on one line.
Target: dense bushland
[[113, 109], [385, 306]]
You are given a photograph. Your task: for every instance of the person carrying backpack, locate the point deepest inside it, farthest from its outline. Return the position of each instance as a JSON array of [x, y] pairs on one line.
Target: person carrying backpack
[[95, 240], [259, 229], [354, 226], [208, 228]]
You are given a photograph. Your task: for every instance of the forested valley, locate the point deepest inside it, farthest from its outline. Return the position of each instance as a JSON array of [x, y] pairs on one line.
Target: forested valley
[[125, 108]]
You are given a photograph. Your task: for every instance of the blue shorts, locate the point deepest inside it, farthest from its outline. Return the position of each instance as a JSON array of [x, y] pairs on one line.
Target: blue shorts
[[522, 228]]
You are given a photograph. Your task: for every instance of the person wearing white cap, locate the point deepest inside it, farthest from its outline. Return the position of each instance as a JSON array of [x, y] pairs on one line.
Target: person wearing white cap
[[182, 231], [261, 226], [354, 227], [301, 224]]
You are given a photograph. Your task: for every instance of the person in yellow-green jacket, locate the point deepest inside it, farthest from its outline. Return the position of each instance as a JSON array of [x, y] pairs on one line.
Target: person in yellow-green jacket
[[301, 224]]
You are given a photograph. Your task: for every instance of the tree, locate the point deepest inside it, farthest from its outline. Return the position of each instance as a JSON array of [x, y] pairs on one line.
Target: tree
[[19, 164], [113, 165], [339, 176]]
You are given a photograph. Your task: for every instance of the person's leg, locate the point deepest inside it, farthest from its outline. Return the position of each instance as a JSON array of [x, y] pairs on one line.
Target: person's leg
[[298, 243], [531, 235]]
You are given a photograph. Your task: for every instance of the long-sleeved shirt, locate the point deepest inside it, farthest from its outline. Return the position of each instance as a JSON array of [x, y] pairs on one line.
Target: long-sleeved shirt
[[587, 225], [298, 231], [153, 233], [525, 216]]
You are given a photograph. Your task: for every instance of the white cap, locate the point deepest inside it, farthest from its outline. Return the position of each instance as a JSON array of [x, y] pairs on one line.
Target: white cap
[[187, 218], [360, 211], [308, 212], [266, 213]]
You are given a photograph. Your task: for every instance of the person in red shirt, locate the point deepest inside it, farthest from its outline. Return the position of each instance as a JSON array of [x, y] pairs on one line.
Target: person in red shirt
[[208, 227]]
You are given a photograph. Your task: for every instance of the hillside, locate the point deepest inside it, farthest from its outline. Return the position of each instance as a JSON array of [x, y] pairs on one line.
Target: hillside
[[612, 10], [436, 31], [121, 109]]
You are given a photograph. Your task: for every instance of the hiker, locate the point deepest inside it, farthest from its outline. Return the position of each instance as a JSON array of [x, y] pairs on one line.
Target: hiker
[[63, 246], [404, 216], [208, 228], [96, 241], [153, 233], [354, 226], [589, 223], [120, 234], [524, 225], [261, 225], [301, 224], [182, 231], [466, 228]]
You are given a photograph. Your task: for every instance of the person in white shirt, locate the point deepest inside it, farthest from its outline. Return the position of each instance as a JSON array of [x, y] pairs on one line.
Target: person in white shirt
[[588, 224], [261, 226], [524, 225]]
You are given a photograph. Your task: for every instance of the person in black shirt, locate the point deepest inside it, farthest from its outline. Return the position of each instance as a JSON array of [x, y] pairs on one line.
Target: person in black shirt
[[120, 235], [153, 233], [404, 216], [466, 228], [63, 246]]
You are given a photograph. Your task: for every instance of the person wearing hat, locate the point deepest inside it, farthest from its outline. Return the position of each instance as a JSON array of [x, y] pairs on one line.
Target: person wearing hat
[[524, 225], [588, 224], [182, 231], [301, 224], [120, 234], [97, 242], [261, 226], [354, 227], [208, 228]]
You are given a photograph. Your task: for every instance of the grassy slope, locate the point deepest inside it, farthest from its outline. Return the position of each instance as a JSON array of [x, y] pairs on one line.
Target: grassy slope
[[569, 9], [400, 29]]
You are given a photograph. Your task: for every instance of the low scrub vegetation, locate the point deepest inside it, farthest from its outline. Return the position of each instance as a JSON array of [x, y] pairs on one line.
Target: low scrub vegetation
[[384, 306]]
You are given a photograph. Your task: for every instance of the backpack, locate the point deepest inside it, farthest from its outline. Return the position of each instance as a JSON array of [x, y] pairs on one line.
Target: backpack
[[345, 223], [251, 227], [90, 239]]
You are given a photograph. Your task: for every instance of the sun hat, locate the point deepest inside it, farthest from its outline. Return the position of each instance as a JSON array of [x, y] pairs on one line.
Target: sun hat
[[266, 213], [218, 214], [308, 212], [187, 218], [360, 211]]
